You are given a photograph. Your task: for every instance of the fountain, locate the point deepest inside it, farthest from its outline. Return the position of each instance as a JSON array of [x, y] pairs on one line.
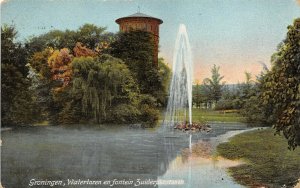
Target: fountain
[[179, 109]]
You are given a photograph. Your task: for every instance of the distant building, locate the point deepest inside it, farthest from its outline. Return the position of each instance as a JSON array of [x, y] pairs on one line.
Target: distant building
[[140, 21]]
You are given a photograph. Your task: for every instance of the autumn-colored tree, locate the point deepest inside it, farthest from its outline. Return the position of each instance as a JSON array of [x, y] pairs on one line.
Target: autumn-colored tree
[[81, 51], [60, 66], [39, 63]]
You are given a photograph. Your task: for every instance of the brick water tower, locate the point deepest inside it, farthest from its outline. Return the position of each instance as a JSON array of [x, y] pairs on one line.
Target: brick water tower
[[140, 21]]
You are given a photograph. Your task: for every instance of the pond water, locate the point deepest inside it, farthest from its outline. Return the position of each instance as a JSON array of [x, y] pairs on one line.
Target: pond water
[[124, 156]]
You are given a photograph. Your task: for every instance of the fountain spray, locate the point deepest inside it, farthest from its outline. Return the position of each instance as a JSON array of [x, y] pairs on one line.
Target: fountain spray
[[179, 109]]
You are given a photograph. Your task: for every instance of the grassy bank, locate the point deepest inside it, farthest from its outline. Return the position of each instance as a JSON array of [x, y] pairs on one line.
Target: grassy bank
[[268, 161]]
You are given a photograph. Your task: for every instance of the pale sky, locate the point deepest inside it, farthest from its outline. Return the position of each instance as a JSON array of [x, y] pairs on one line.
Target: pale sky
[[234, 34]]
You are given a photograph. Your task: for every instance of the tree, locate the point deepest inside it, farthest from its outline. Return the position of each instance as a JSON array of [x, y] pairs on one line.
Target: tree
[[213, 85], [164, 73], [60, 67], [103, 84], [43, 84], [282, 86], [230, 98], [80, 50], [247, 87], [91, 36], [52, 70], [136, 49], [16, 101], [196, 95]]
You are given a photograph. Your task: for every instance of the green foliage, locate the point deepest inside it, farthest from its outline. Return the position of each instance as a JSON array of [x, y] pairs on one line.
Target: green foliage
[[213, 85], [253, 111], [164, 73], [282, 86], [246, 97], [136, 49], [197, 96], [61, 87], [226, 104], [251, 102], [88, 34], [124, 113], [149, 114], [200, 96], [247, 88], [16, 102], [108, 93], [39, 62], [101, 83], [43, 85]]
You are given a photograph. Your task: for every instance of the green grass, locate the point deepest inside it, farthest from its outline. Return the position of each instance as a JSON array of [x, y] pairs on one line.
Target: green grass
[[201, 115], [217, 116], [268, 161]]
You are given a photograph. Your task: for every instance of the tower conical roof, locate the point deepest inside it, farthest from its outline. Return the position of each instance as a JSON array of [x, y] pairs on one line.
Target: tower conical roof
[[139, 15]]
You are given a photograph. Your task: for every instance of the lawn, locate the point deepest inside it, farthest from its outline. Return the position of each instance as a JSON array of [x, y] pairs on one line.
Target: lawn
[[216, 116], [201, 115], [268, 161]]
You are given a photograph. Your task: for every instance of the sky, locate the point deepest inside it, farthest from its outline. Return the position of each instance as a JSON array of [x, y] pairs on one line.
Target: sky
[[234, 34]]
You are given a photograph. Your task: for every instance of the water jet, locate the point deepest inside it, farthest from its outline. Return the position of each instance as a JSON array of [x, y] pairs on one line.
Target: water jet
[[179, 109]]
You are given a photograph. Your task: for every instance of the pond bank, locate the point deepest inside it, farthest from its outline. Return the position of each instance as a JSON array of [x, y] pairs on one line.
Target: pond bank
[[268, 161]]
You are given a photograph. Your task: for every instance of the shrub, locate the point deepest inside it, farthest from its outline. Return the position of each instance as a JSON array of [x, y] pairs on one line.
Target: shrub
[[124, 113]]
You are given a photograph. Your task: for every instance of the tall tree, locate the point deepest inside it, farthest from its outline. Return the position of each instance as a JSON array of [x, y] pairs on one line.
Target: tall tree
[[16, 101], [282, 86], [197, 98], [43, 84], [213, 85], [251, 102]]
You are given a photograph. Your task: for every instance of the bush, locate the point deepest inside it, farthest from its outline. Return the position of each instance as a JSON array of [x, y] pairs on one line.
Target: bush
[[124, 113], [149, 113], [224, 105], [149, 116]]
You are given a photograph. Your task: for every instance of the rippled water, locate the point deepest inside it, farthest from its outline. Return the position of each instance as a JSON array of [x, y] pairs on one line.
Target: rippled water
[[121, 153]]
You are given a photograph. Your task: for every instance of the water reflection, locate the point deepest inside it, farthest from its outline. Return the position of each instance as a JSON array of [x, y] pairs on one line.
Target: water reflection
[[57, 153], [200, 168]]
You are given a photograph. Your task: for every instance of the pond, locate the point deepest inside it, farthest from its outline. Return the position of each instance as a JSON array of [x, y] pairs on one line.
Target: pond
[[115, 156]]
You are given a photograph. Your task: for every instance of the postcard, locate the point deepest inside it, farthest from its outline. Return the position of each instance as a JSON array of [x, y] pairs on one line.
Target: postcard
[[160, 93]]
